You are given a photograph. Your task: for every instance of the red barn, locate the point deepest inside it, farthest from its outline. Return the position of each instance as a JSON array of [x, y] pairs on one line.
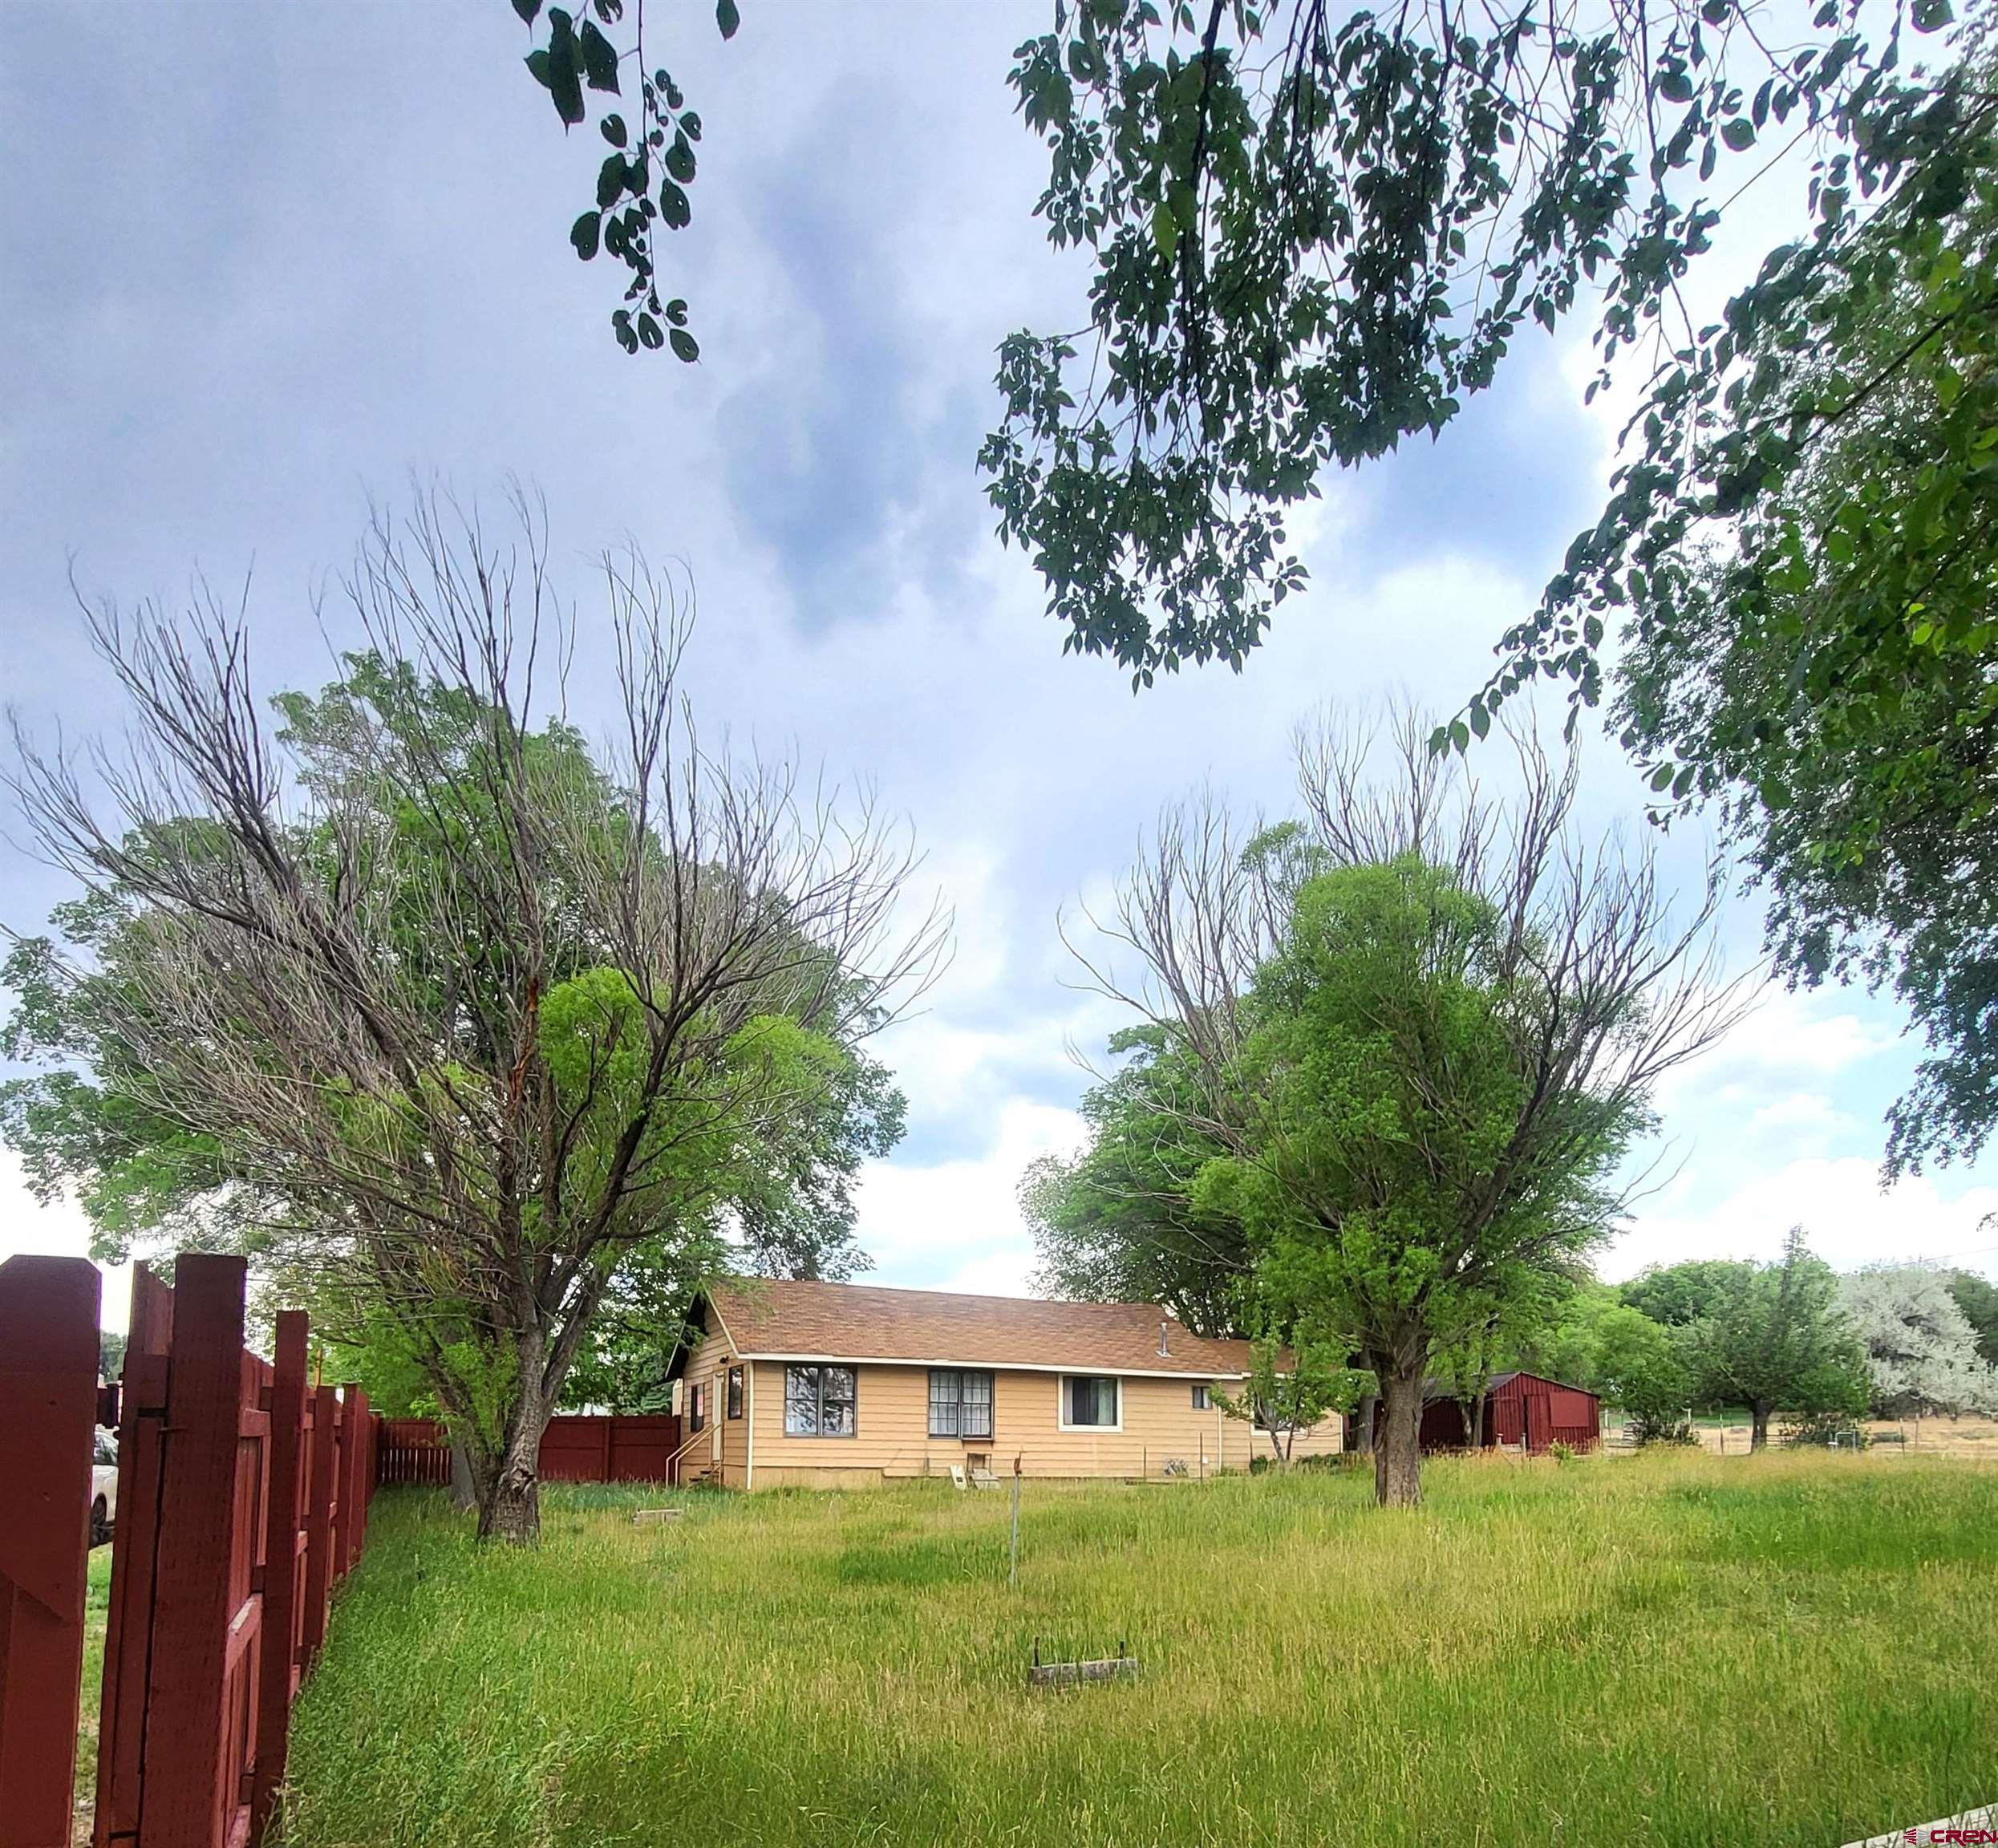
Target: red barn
[[1520, 1409]]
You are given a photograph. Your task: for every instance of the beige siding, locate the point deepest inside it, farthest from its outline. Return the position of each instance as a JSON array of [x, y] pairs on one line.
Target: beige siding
[[721, 1452], [892, 1420]]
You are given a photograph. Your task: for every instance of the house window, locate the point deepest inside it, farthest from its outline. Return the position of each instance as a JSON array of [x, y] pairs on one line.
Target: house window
[[735, 1391], [1089, 1402], [697, 1407], [1200, 1396], [960, 1403], [818, 1402]]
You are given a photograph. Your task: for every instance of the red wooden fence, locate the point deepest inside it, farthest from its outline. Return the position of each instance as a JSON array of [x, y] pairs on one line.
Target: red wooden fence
[[242, 1500], [243, 1494], [48, 1400], [579, 1449]]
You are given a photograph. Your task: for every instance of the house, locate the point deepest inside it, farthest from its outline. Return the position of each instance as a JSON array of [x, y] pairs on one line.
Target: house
[[1522, 1410], [836, 1385]]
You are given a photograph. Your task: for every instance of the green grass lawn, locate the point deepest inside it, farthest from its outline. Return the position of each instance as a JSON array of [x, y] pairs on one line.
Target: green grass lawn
[[1671, 1648], [96, 1614]]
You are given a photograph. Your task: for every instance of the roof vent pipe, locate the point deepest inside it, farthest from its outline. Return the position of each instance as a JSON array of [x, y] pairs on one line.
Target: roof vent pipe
[[1162, 1327]]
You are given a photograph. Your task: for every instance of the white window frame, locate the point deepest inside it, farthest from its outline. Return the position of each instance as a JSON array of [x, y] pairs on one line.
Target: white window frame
[[1062, 1403], [1203, 1395]]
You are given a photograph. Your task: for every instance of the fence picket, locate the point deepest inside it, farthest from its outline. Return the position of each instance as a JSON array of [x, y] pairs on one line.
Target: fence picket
[[323, 1496], [48, 1411], [188, 1798], [134, 1560], [284, 1566]]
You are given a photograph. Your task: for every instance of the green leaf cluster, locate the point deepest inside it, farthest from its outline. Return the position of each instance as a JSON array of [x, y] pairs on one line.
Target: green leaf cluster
[[642, 182], [1385, 1179], [1315, 233], [1802, 548], [1118, 1222]]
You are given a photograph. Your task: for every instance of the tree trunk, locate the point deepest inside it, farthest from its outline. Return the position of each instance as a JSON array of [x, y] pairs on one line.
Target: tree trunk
[[1361, 1426], [507, 1479], [509, 1483], [1398, 1457], [1478, 1419], [464, 1492], [510, 1499], [1759, 1432]]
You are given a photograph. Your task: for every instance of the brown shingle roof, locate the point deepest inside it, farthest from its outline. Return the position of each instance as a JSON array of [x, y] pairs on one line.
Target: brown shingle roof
[[770, 1318]]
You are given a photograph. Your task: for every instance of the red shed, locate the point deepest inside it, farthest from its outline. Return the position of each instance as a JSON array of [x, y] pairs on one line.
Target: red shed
[[1519, 1408]]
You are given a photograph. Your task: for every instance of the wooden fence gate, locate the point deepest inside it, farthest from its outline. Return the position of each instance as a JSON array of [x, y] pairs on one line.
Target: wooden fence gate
[[242, 1500]]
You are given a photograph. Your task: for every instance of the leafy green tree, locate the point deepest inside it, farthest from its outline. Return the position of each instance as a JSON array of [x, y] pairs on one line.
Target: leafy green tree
[[788, 1212], [463, 1017], [1423, 1063], [620, 1365], [1290, 1389], [1780, 1342], [1394, 1180], [1677, 1294], [1802, 548], [1978, 1298], [1640, 1367], [1315, 232], [1566, 1348], [1118, 1222]]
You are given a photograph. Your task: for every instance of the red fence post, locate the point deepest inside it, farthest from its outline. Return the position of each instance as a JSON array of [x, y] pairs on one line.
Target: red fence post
[[343, 1471], [186, 1804], [134, 1567], [48, 1409], [363, 1478], [322, 1492], [284, 1567], [347, 1528]]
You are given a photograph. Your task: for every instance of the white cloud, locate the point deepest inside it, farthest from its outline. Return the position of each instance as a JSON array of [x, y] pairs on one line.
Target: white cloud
[[1849, 1218], [57, 1231], [1787, 1039], [1803, 1122], [957, 1225]]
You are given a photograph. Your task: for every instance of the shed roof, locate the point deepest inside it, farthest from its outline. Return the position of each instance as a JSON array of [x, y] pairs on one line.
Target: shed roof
[[771, 1319], [1433, 1388]]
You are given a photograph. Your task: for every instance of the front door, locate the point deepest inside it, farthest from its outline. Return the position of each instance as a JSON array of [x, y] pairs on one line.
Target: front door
[[1539, 1433]]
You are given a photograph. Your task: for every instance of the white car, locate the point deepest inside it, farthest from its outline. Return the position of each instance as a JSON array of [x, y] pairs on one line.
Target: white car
[[104, 1486]]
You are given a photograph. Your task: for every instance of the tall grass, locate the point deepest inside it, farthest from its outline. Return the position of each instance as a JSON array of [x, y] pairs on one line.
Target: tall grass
[[1669, 1649]]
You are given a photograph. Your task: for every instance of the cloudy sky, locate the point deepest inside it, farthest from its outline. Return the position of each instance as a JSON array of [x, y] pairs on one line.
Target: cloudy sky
[[258, 264]]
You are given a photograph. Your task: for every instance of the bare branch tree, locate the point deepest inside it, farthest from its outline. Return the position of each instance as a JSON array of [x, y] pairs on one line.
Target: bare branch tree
[[1598, 981], [480, 1008]]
